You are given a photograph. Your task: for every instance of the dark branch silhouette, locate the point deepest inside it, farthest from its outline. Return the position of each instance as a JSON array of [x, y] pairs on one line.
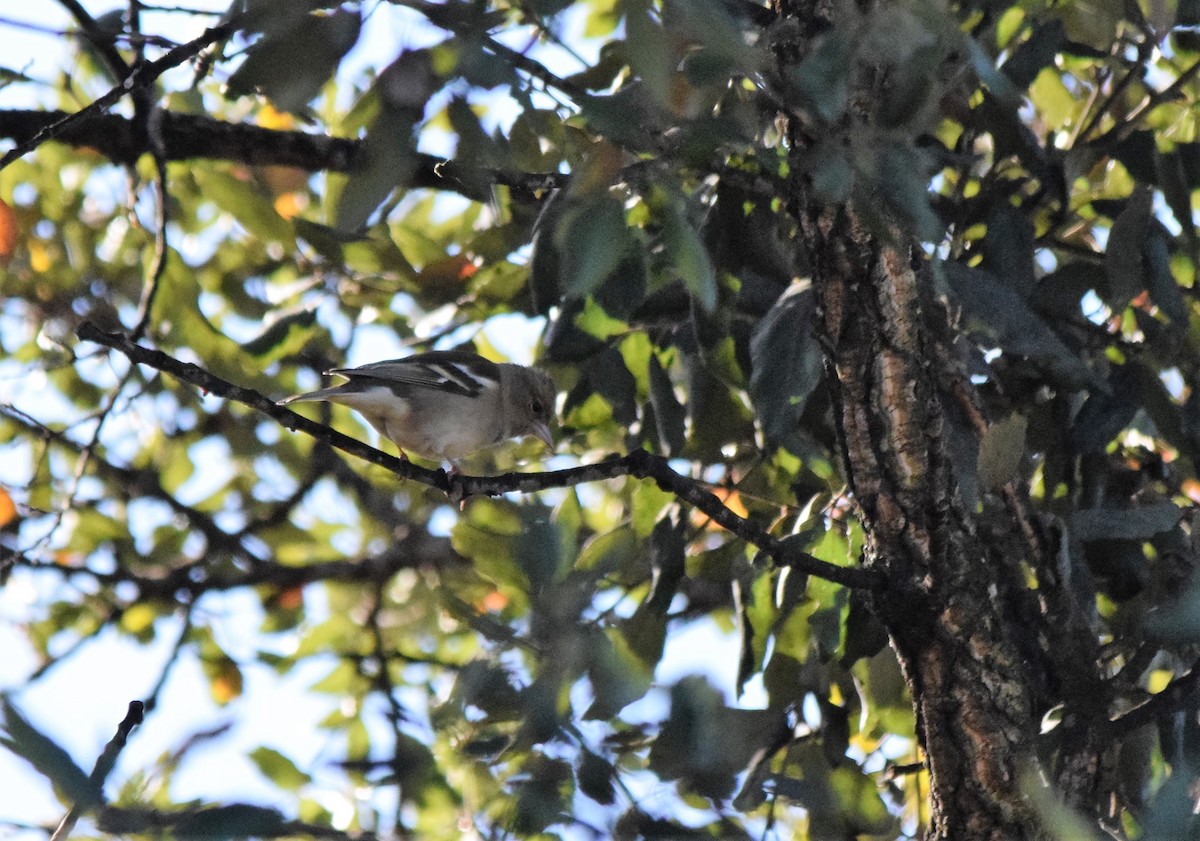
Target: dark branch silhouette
[[200, 137]]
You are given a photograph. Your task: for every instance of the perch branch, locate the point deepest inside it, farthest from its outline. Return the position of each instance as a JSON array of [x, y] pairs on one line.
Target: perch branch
[[639, 463]]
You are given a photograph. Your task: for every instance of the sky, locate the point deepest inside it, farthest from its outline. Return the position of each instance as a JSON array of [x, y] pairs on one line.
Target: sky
[[80, 702]]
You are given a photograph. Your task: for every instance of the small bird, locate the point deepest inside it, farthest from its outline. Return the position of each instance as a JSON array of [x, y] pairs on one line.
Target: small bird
[[445, 405]]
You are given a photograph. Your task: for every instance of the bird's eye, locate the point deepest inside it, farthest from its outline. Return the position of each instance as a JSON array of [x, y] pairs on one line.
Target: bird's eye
[[537, 406]]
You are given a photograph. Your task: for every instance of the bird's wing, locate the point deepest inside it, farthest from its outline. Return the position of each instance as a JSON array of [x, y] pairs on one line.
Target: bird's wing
[[450, 371]]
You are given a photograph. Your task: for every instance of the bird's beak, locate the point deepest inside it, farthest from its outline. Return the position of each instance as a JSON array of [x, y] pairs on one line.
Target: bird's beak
[[541, 431]]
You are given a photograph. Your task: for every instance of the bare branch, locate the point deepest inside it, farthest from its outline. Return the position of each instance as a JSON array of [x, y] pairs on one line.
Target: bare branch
[[104, 764]]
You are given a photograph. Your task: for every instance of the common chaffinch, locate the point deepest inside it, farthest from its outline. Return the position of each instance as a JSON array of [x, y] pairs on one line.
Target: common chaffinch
[[445, 405]]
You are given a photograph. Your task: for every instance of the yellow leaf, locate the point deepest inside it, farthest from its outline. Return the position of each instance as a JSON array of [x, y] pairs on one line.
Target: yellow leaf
[[227, 682], [138, 618], [269, 117], [1158, 680], [39, 257]]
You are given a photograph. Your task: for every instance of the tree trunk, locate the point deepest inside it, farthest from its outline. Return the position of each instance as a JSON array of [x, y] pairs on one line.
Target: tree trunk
[[953, 605]]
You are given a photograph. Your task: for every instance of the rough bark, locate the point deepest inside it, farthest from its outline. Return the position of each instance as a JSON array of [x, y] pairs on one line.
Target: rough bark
[[955, 593], [947, 603]]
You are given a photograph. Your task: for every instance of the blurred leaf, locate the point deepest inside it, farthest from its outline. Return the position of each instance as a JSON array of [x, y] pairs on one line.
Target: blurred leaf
[[787, 363], [10, 232], [242, 200], [388, 163], [1124, 263], [1000, 453], [1008, 249], [902, 177], [8, 509], [539, 794], [225, 681], [669, 413], [1000, 314], [705, 744], [1106, 413], [271, 67], [1035, 53], [1141, 523], [1160, 280], [822, 78], [18, 735], [591, 239], [596, 776], [279, 769], [283, 335], [392, 109], [618, 676], [650, 54]]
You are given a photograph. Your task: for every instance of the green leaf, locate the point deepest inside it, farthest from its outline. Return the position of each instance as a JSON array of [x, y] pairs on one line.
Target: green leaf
[[1008, 249], [1000, 452], [271, 66], [704, 744], [669, 413], [1160, 281], [591, 240], [902, 176], [822, 78], [786, 363], [688, 257], [608, 376], [246, 203], [596, 777], [1002, 316], [392, 108], [388, 162], [1123, 257], [619, 677], [284, 333], [608, 551], [1105, 414], [832, 172], [1035, 53], [279, 769], [649, 53]]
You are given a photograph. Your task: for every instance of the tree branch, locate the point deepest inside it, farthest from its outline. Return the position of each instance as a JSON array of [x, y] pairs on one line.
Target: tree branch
[[200, 137], [639, 463], [104, 764]]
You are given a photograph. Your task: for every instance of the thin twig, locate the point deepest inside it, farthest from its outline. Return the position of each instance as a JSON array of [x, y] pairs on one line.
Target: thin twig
[[102, 41], [137, 78], [161, 217], [104, 764]]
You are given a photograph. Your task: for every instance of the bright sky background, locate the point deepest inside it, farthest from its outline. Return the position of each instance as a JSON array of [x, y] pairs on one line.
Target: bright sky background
[[80, 702]]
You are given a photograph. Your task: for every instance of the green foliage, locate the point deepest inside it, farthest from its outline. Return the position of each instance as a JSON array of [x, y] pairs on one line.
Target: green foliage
[[633, 221]]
